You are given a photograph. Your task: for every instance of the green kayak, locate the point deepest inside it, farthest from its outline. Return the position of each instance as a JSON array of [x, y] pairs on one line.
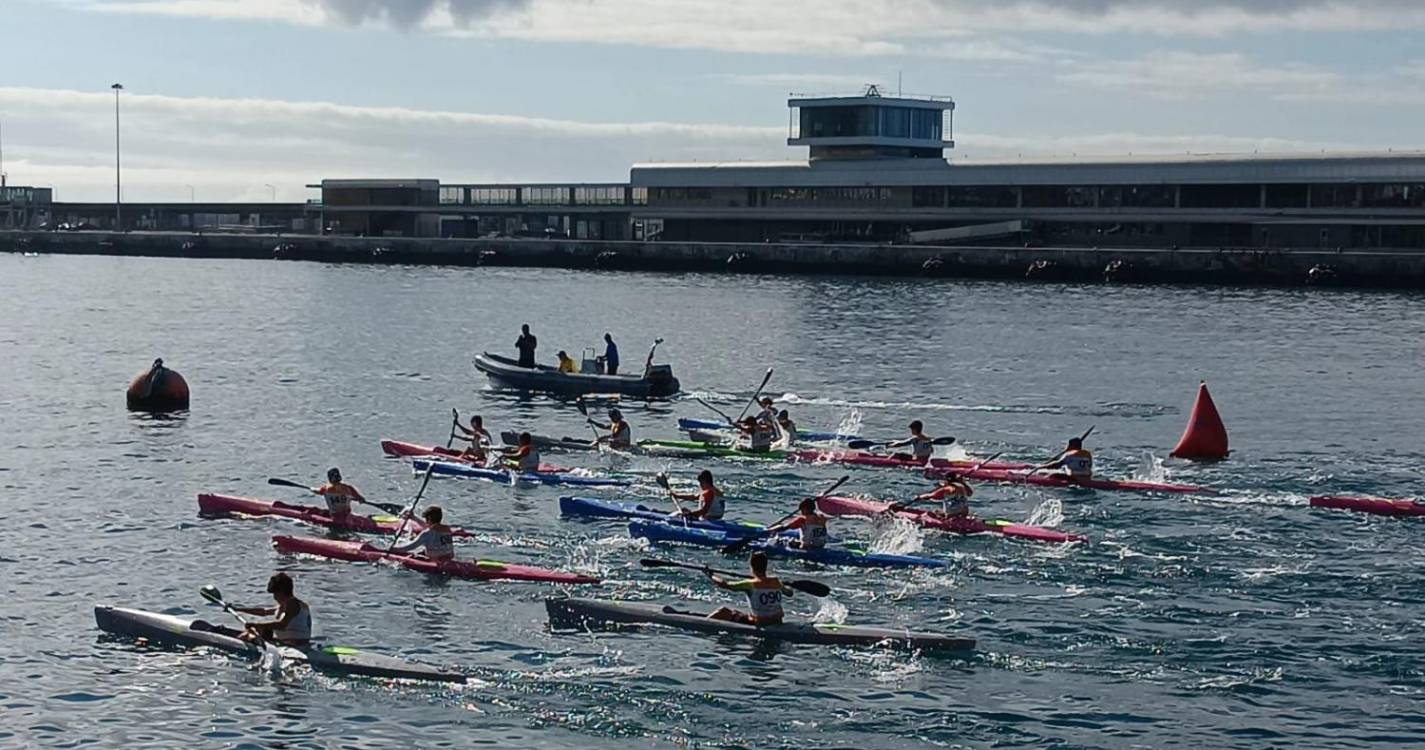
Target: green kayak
[[694, 449]]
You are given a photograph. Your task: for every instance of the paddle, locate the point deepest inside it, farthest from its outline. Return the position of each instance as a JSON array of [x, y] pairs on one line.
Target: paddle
[[716, 410], [893, 507], [815, 588], [753, 400], [741, 544], [584, 409], [410, 512], [662, 481], [214, 595], [455, 420], [859, 445], [388, 507]]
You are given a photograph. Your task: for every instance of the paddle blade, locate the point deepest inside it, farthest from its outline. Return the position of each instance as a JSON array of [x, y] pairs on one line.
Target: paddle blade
[[661, 480], [649, 562], [286, 483], [581, 406], [860, 445], [815, 588], [390, 508], [211, 593], [943, 441]]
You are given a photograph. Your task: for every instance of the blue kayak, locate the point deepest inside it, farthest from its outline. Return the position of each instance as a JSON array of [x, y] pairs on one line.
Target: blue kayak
[[595, 507], [454, 469], [690, 425], [665, 532]]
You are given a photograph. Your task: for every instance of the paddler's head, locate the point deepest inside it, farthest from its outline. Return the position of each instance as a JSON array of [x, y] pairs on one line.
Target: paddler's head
[[615, 415], [783, 416], [916, 427], [477, 421], [758, 563], [705, 478], [433, 515], [333, 475], [950, 478], [807, 506], [280, 586], [526, 438], [766, 402], [1076, 444]]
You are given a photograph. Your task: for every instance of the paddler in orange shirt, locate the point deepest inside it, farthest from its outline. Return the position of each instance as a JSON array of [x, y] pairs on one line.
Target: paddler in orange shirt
[[338, 494], [1074, 463]]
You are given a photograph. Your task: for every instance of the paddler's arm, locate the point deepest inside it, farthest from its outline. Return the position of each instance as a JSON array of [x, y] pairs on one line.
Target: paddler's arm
[[419, 541], [356, 493], [1053, 463], [260, 611]]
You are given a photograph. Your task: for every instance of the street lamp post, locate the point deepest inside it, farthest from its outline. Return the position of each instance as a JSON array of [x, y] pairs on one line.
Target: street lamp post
[[273, 188], [118, 175], [192, 194]]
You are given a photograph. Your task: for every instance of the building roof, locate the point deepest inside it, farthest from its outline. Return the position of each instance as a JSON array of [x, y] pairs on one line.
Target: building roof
[[1389, 166]]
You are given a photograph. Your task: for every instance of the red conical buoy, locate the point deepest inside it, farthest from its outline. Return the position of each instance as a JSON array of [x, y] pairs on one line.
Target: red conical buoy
[[1205, 438], [158, 389]]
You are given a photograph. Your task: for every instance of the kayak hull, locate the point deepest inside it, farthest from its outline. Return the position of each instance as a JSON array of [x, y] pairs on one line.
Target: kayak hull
[[506, 373], [221, 505], [1059, 480], [182, 632], [881, 460], [403, 449], [598, 614], [665, 532], [1379, 506], [506, 476], [544, 442], [478, 570], [850, 506]]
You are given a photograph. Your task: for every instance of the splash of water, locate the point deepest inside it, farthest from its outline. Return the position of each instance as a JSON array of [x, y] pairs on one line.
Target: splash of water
[[831, 611], [897, 536], [851, 423], [1048, 514], [1151, 469]]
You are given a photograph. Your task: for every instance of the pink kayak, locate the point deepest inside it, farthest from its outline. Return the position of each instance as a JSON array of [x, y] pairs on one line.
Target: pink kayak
[[311, 514], [851, 506], [1378, 505], [882, 460], [479, 570], [1059, 480], [415, 450]]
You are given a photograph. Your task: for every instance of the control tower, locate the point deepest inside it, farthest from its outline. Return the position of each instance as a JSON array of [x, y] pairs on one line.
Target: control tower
[[871, 126]]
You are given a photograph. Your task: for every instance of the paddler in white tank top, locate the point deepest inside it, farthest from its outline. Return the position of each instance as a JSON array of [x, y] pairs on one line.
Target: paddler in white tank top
[[437, 540], [922, 446], [757, 434], [954, 496], [338, 494], [292, 623], [1074, 463], [811, 524], [764, 595]]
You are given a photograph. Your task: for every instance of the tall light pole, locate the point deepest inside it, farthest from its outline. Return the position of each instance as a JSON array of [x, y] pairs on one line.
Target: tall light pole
[[192, 194], [273, 188], [118, 182]]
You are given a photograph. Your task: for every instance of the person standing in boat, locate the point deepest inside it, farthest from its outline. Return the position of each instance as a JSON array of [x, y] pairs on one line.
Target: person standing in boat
[[610, 358], [526, 344], [711, 502], [922, 446], [620, 432], [1074, 462], [338, 494], [764, 595], [293, 618]]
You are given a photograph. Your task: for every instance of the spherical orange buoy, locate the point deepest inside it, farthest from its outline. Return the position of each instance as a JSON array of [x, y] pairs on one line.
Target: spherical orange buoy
[[1205, 438], [158, 389]]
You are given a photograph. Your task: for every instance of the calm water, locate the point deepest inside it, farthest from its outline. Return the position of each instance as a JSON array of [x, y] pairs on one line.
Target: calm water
[[1241, 620]]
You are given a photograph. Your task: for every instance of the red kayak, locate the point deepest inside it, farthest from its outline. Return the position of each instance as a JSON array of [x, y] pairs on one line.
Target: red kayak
[[882, 460], [480, 570], [1059, 480], [311, 514], [414, 450], [1380, 506], [851, 506]]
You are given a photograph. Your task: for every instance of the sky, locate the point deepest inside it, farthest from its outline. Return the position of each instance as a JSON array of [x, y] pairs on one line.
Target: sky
[[251, 99]]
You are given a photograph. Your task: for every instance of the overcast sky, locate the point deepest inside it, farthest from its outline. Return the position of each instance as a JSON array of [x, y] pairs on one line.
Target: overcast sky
[[232, 96]]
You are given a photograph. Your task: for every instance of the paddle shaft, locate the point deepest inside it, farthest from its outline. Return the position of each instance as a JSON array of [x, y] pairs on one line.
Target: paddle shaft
[[755, 394], [410, 512], [864, 444], [386, 507], [815, 588], [893, 507], [715, 410], [741, 544]]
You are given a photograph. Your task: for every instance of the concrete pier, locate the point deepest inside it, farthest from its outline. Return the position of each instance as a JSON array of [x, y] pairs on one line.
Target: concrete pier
[[1199, 265]]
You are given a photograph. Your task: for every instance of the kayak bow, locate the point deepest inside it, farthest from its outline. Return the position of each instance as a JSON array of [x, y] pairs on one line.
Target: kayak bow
[[221, 505], [479, 570]]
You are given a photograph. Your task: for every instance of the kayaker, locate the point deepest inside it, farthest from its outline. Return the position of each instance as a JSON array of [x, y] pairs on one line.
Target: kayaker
[[922, 446], [566, 364], [757, 434], [526, 344], [292, 623], [476, 430], [953, 493], [437, 540], [524, 456], [710, 500], [620, 433], [1074, 462], [764, 595], [610, 358], [786, 430], [768, 411], [811, 523], [338, 494]]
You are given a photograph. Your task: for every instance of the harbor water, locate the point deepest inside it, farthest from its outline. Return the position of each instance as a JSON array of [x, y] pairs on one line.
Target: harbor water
[[1242, 618]]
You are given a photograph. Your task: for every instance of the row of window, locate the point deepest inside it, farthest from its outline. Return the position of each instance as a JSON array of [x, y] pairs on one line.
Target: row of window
[[867, 121], [609, 195]]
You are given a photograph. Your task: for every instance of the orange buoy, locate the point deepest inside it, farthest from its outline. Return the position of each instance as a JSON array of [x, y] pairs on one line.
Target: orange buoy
[[1205, 438], [158, 389]]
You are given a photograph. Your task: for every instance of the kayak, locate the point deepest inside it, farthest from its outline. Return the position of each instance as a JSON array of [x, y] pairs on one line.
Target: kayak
[[656, 382], [401, 448], [666, 532], [596, 614], [178, 631], [479, 570], [695, 449], [1377, 505], [546, 475], [882, 460], [691, 425], [850, 506], [594, 507], [510, 437], [1059, 480], [217, 505]]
